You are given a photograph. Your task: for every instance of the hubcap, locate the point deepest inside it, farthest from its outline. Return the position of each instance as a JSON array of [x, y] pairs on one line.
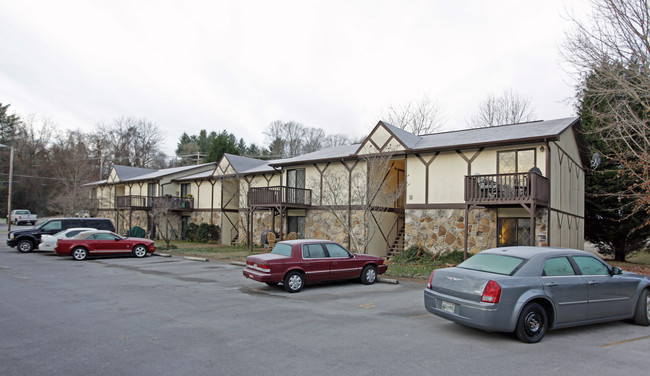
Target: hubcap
[[295, 282], [79, 254], [533, 323], [371, 275], [24, 247], [140, 251], [647, 306]]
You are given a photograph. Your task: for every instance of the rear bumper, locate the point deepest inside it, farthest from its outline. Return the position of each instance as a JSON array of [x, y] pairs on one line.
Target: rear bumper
[[485, 316], [260, 276]]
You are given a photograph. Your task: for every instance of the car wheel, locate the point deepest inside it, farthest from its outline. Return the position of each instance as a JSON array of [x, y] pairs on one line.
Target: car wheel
[[294, 281], [33, 223], [79, 253], [369, 275], [25, 246], [532, 323], [642, 313], [140, 251]]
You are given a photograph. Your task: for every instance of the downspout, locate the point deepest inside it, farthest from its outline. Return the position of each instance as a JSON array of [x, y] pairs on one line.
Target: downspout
[[550, 192]]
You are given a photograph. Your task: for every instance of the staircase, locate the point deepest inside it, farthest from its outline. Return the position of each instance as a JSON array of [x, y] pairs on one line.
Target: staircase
[[398, 244]]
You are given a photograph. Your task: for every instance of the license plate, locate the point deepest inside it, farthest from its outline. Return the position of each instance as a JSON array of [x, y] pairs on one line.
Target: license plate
[[448, 307]]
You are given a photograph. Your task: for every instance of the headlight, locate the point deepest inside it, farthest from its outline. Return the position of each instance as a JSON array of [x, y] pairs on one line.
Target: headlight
[[11, 236]]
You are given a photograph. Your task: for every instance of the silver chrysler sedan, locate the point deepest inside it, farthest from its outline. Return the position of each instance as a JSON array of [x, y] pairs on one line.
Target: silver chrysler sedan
[[529, 290]]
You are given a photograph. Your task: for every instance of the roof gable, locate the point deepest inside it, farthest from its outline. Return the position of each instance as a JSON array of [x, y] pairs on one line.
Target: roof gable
[[387, 138]]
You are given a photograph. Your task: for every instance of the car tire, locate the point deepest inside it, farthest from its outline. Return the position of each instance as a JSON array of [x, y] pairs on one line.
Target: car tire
[[25, 246], [532, 323], [369, 275], [642, 313], [294, 281], [33, 223], [79, 253], [140, 251]]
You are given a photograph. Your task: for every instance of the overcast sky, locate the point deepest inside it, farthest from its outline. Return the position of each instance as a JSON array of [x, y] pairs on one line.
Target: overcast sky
[[239, 65]]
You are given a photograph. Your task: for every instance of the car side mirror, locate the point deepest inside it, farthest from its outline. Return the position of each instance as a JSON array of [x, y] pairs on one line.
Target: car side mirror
[[616, 270]]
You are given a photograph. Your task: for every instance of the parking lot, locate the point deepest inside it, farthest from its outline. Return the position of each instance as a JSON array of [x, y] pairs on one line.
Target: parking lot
[[170, 316]]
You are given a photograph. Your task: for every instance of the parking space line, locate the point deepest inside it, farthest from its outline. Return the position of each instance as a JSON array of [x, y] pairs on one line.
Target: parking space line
[[624, 342], [420, 316]]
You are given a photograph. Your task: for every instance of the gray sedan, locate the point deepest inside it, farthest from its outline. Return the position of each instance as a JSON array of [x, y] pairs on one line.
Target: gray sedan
[[529, 290]]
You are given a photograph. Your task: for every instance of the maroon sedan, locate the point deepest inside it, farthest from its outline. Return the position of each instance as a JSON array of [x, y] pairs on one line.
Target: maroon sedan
[[297, 262], [99, 242]]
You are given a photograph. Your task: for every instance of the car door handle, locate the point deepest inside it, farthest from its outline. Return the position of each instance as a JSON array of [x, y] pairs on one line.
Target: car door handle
[[551, 284], [592, 283]]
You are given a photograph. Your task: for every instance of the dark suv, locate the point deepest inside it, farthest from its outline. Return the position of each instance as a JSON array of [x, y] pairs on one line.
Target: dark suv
[[28, 240]]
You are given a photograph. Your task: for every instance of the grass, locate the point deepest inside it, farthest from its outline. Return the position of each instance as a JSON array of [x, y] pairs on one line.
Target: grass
[[209, 251], [417, 263]]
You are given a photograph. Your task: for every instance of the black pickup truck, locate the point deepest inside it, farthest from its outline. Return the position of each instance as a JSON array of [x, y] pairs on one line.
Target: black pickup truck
[[27, 240]]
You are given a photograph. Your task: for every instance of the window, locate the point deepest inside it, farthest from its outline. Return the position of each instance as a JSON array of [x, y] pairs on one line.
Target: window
[[282, 249], [498, 264], [311, 251], [296, 179], [558, 266], [516, 161], [52, 226], [513, 231], [336, 250], [103, 237], [297, 225], [185, 189], [591, 266]]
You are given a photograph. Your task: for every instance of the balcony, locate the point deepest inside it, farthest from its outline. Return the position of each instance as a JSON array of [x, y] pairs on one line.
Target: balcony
[[507, 189], [149, 202], [279, 196]]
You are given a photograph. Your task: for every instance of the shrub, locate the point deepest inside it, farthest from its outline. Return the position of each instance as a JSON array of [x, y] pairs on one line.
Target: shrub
[[207, 232], [189, 233]]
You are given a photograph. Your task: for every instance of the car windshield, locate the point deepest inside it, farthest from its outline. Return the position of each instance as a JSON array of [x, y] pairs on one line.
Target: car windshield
[[282, 249], [490, 263]]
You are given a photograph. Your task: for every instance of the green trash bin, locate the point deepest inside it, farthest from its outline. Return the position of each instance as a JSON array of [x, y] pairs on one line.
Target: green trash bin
[[137, 232]]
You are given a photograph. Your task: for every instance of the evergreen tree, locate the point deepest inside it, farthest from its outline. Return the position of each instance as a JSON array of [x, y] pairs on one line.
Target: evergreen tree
[[612, 222], [8, 125]]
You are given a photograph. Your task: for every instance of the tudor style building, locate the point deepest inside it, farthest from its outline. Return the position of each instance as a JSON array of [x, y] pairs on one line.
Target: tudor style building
[[468, 190]]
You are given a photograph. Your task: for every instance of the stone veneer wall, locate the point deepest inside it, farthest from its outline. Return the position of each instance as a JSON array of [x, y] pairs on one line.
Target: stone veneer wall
[[322, 224], [261, 222], [443, 230], [199, 217], [123, 224]]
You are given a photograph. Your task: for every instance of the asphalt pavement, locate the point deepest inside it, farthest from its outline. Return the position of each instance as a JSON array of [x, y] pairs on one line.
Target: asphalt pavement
[[171, 316]]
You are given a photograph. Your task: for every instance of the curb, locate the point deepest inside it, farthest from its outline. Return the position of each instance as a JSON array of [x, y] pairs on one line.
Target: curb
[[237, 263], [161, 254], [388, 280], [192, 258]]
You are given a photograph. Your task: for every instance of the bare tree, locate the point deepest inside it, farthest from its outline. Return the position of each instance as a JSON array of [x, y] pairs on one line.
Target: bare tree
[[291, 133], [337, 139], [160, 211], [131, 142], [421, 117], [610, 51], [508, 108], [369, 187]]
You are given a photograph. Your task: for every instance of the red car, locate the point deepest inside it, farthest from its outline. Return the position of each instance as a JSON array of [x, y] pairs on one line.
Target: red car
[[101, 242], [297, 262]]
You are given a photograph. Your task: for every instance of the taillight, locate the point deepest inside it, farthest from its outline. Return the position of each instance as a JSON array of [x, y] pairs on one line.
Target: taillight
[[430, 279], [491, 292]]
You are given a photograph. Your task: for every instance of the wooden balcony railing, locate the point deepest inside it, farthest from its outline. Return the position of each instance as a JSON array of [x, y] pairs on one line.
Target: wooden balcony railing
[[279, 195], [504, 189], [149, 202]]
